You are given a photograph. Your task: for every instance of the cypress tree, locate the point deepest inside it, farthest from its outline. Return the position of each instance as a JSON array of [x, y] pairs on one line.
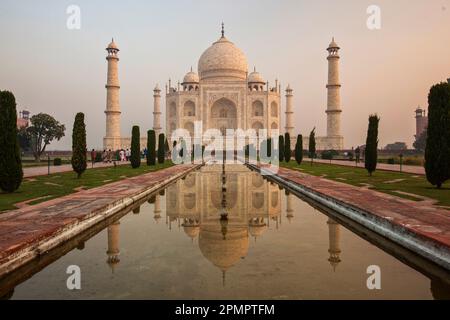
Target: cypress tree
[[287, 147], [79, 161], [135, 158], [151, 147], [371, 151], [161, 147], [312, 145], [166, 147], [281, 148], [437, 150], [11, 173], [299, 149]]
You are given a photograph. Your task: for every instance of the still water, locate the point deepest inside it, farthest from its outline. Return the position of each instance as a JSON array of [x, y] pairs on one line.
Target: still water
[[273, 246]]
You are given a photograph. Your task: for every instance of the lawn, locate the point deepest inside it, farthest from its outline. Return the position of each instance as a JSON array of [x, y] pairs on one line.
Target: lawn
[[384, 181], [43, 188]]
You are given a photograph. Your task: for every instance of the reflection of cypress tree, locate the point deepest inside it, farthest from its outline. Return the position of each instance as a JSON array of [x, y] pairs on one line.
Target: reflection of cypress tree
[[135, 147], [437, 150], [11, 173], [371, 152]]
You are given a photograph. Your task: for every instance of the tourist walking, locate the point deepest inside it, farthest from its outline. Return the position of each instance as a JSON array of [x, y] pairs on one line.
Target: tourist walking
[[93, 156]]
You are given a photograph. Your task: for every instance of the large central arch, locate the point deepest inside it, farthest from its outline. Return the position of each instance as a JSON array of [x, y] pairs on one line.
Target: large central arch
[[223, 115]]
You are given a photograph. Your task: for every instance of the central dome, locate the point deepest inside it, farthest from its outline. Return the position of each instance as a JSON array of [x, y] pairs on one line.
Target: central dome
[[223, 60]]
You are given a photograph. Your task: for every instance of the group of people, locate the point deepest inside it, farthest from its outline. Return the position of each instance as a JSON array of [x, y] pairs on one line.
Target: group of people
[[108, 156]]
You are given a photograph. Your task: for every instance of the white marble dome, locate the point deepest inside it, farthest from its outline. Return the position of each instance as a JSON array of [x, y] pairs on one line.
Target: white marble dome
[[255, 77], [223, 60], [191, 77]]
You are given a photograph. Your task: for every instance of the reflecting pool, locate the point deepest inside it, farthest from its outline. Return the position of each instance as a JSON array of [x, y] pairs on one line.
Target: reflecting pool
[[272, 245]]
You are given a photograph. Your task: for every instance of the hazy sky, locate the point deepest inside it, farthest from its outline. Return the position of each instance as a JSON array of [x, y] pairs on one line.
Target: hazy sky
[[389, 71]]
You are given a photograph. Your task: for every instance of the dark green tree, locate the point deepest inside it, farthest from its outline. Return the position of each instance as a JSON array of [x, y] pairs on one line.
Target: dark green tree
[[161, 147], [371, 150], [166, 147], [287, 147], [299, 149], [281, 148], [135, 158], [151, 147], [79, 161], [43, 130], [437, 150], [11, 173], [312, 145]]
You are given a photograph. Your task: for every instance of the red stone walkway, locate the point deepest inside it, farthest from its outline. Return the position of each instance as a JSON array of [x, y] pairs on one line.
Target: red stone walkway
[[29, 226], [427, 222], [43, 170], [380, 166]]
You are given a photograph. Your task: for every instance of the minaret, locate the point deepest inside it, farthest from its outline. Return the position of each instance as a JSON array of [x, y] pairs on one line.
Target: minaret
[[289, 128], [289, 210], [157, 208], [157, 111], [112, 137], [113, 245], [334, 249], [334, 98]]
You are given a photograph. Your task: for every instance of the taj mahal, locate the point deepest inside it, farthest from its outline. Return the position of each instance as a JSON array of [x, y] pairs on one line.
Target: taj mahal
[[224, 95]]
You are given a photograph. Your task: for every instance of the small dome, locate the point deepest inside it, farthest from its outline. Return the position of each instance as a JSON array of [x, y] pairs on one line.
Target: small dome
[[191, 77], [112, 45], [223, 60], [256, 230], [255, 77]]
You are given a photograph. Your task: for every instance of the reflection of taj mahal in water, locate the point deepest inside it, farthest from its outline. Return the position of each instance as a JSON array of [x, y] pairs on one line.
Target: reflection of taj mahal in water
[[253, 204]]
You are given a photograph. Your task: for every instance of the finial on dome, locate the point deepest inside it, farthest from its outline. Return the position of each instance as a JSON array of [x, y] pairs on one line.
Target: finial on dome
[[223, 30]]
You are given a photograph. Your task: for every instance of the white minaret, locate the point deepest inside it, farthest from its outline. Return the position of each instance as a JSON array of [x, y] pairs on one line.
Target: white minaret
[[334, 98], [289, 128], [157, 111], [112, 137]]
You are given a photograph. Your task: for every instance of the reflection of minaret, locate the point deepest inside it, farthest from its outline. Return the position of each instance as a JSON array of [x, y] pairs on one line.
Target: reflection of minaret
[[334, 239], [113, 245], [157, 208], [289, 210]]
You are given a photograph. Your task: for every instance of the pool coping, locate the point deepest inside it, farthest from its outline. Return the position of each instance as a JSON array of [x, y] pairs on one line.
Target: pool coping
[[39, 245], [394, 229]]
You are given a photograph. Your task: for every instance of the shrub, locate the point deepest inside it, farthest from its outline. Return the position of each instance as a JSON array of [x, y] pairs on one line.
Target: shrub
[[79, 157], [57, 162], [151, 147], [287, 147], [299, 149], [281, 148], [371, 151], [161, 148], [437, 150], [11, 173], [135, 158]]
